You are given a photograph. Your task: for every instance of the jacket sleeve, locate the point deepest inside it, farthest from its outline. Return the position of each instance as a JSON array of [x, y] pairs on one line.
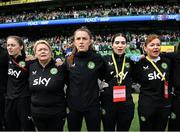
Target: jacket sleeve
[[104, 74], [65, 71], [4, 72], [169, 55], [135, 71]]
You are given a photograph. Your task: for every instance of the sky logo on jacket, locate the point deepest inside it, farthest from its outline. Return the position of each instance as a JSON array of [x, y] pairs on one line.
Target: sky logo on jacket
[[155, 75], [122, 74], [14, 73], [41, 81]]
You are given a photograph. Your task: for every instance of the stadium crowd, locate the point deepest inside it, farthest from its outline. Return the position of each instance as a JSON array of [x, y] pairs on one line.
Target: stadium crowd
[[62, 45], [59, 13]]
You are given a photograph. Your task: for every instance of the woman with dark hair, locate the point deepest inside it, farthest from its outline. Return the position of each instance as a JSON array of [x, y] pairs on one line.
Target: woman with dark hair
[[116, 100], [152, 73], [17, 107], [84, 67]]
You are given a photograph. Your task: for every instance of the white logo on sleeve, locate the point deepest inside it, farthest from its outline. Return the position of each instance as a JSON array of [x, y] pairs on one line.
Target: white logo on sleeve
[[111, 72], [145, 67], [110, 63], [10, 62], [155, 75], [14, 73], [41, 81], [73, 65], [34, 72]]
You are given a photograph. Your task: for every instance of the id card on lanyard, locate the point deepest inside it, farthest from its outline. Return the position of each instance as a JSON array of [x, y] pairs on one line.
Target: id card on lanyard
[[119, 91], [166, 94]]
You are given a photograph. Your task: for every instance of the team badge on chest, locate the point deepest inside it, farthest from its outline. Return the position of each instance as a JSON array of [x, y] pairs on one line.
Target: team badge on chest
[[164, 65], [173, 116], [53, 71], [22, 64], [127, 65], [143, 118], [103, 111], [91, 65]]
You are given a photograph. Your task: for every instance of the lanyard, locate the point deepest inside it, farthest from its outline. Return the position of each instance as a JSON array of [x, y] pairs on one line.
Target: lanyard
[[157, 69], [23, 68], [116, 69]]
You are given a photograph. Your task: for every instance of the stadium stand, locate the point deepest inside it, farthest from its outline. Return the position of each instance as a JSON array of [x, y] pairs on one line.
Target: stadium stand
[[59, 35]]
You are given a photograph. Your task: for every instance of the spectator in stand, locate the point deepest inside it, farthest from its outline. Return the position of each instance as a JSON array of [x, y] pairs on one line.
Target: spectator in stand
[[103, 41], [95, 12]]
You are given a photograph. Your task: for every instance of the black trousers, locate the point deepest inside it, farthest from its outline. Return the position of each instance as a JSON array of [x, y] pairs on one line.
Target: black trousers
[[18, 115], [51, 123], [92, 119], [156, 121], [174, 122], [116, 116], [2, 107]]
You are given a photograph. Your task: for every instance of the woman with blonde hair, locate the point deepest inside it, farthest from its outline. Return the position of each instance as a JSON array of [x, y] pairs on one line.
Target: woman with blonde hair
[[46, 82]]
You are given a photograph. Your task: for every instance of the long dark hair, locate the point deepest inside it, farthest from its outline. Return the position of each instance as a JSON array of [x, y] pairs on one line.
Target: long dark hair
[[20, 41], [117, 35], [70, 59]]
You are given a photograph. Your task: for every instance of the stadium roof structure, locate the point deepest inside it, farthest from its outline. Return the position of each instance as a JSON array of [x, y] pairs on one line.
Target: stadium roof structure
[[16, 2], [80, 2]]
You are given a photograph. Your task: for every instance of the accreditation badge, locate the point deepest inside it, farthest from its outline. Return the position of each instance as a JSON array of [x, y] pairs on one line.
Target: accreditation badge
[[166, 96], [119, 93]]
